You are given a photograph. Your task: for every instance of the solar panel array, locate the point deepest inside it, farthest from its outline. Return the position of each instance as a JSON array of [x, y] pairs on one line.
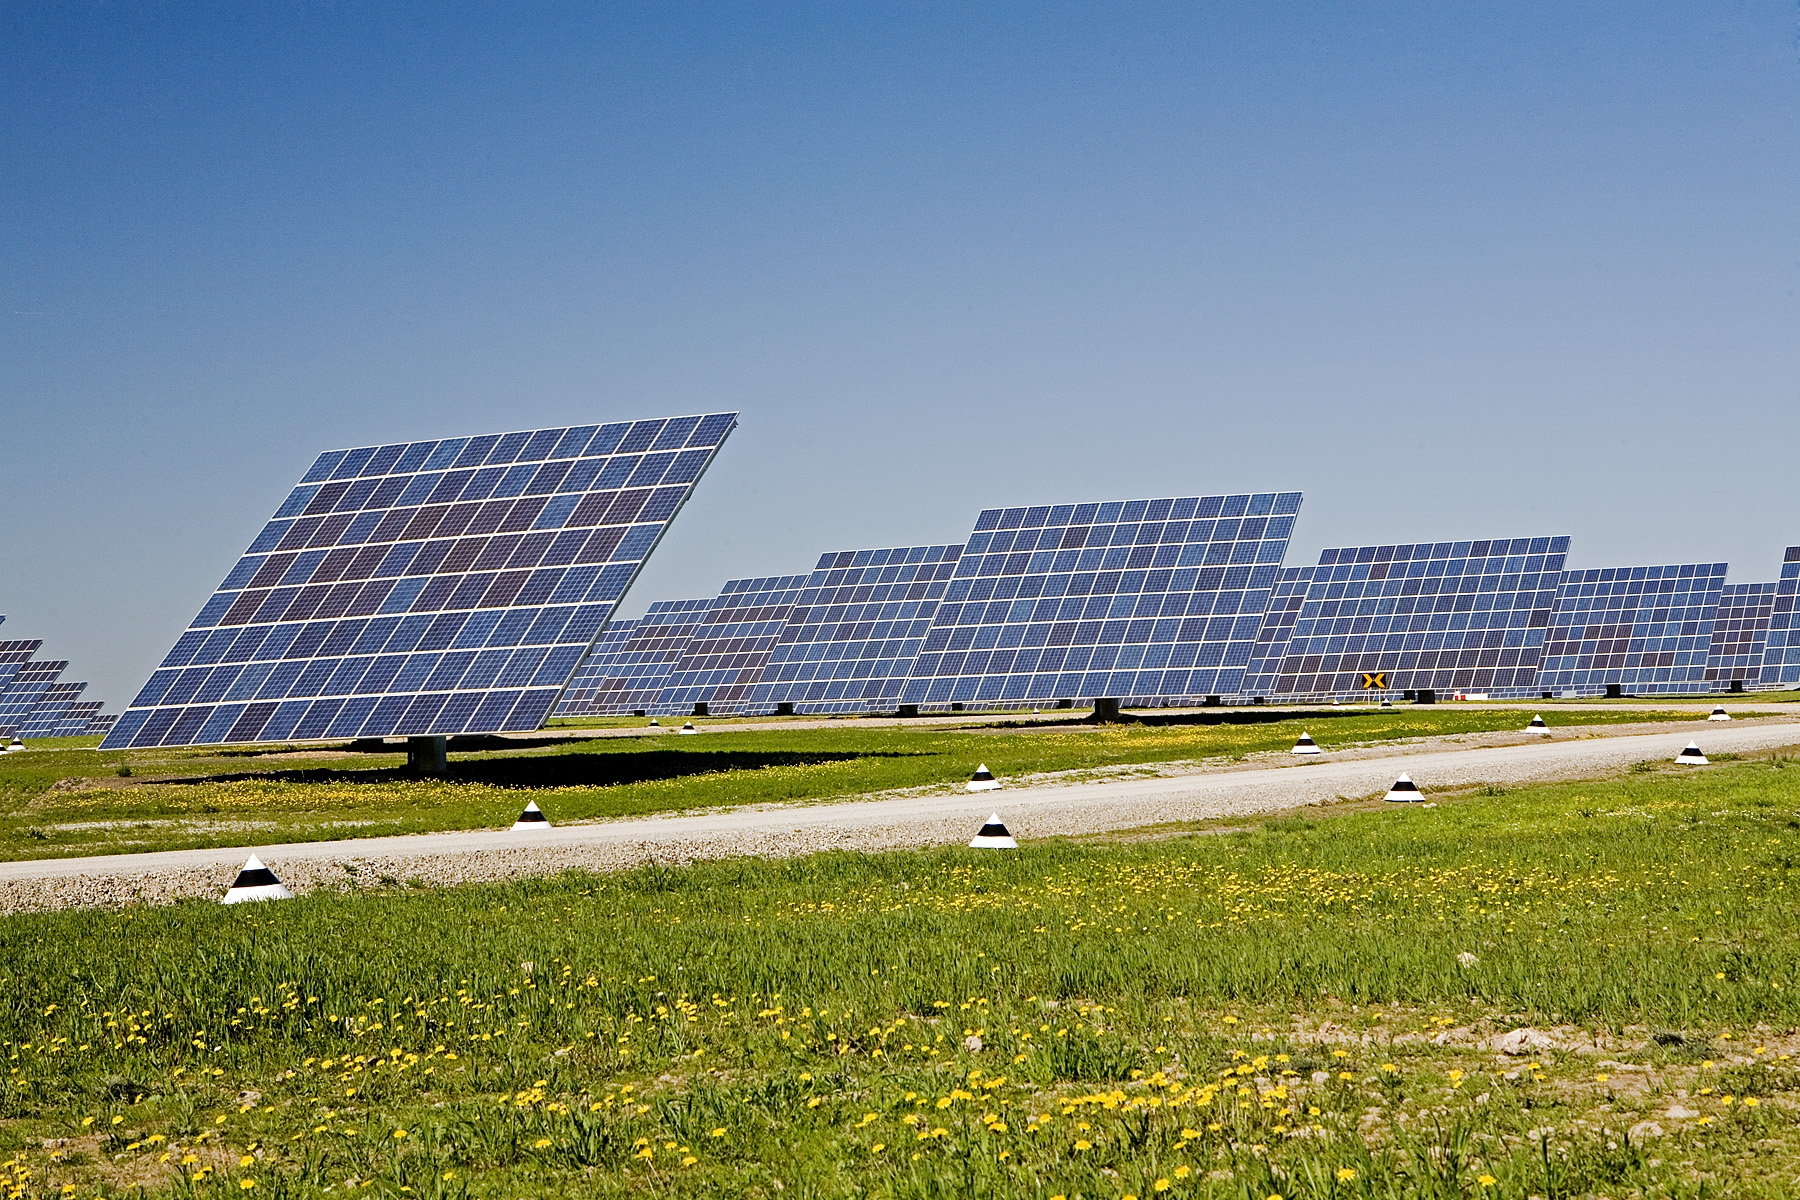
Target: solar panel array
[[426, 588], [855, 628], [24, 691], [1643, 629], [1145, 600], [1445, 616], [634, 680], [731, 645], [1781, 653], [50, 710], [79, 719], [1285, 603], [1740, 634], [595, 669]]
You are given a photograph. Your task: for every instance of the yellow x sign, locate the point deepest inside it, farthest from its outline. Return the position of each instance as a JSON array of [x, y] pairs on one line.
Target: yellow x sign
[[1376, 680]]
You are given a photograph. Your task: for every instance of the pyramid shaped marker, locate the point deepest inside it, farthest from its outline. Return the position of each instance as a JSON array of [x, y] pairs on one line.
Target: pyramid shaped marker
[[994, 836], [1537, 725], [1719, 714], [687, 727], [1692, 756], [982, 780], [1306, 745], [255, 882], [1404, 791], [532, 818]]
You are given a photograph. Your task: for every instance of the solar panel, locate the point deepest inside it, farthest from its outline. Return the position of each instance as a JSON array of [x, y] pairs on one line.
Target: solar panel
[[1740, 634], [78, 720], [641, 667], [49, 710], [102, 724], [23, 693], [1781, 654], [1643, 629], [426, 588], [1444, 616], [855, 629], [1285, 602], [731, 645], [1140, 600], [595, 668]]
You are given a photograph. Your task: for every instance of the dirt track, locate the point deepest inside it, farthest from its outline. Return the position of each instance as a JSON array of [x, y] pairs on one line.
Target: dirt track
[[1042, 810]]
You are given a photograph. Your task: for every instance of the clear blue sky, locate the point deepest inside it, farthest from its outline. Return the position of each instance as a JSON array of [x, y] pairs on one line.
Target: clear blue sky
[[1454, 270]]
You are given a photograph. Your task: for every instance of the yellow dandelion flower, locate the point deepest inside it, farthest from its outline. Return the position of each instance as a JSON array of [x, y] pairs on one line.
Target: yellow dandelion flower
[[540, 1143], [1346, 1174], [1084, 1144], [878, 1147], [246, 1160], [246, 1184], [720, 1132], [1486, 1180]]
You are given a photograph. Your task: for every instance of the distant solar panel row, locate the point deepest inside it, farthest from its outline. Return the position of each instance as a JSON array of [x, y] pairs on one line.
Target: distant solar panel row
[[731, 645], [855, 629], [1644, 629], [427, 587], [632, 678], [1740, 634], [1781, 655]]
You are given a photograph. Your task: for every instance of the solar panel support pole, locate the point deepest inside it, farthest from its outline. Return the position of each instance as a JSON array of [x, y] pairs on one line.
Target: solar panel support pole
[[1106, 708], [428, 755]]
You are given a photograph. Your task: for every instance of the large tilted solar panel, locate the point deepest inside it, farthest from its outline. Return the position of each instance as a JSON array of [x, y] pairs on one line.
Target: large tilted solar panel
[[1740, 634], [730, 646], [595, 668], [50, 709], [426, 588], [1444, 616], [635, 676], [25, 690], [1285, 602], [1146, 601], [1781, 654], [1644, 629], [855, 629], [14, 655]]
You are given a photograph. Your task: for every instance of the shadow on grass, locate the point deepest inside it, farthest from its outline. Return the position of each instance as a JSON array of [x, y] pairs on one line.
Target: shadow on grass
[[559, 770]]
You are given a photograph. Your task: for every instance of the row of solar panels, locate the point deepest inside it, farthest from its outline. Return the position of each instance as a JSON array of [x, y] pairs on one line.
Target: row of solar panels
[[460, 586], [33, 704], [861, 633]]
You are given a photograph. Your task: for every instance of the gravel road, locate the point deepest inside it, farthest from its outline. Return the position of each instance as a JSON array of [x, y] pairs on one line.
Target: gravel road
[[872, 824]]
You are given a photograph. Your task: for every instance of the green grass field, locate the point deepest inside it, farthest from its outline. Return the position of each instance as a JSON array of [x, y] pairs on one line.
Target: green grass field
[[69, 799], [1300, 1010]]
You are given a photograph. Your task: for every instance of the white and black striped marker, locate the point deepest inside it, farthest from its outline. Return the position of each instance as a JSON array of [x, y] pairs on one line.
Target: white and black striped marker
[[255, 882], [532, 818], [994, 836], [1692, 756], [1404, 791], [1719, 714], [655, 724], [687, 727], [982, 780], [1306, 745], [1537, 725], [15, 747]]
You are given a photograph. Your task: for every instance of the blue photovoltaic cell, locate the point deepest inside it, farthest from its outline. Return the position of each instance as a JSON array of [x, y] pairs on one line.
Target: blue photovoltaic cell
[[1644, 629], [1740, 634], [1278, 620], [1444, 616], [1142, 600], [431, 588], [1781, 655], [855, 628], [731, 645], [635, 676]]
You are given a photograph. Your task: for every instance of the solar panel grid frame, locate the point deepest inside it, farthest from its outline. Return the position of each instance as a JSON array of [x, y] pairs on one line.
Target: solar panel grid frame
[[1781, 652], [1146, 601], [1740, 634], [426, 588], [1647, 629], [26, 689], [855, 629], [730, 646], [643, 664], [1439, 616]]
